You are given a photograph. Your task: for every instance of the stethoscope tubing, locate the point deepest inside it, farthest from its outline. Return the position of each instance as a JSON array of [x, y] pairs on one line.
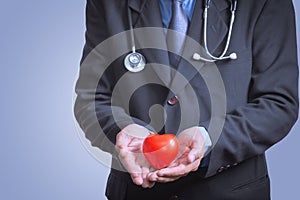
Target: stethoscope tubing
[[131, 31], [222, 56], [134, 67]]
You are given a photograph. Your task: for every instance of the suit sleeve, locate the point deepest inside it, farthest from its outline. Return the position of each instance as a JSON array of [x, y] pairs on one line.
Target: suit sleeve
[[93, 105], [272, 107]]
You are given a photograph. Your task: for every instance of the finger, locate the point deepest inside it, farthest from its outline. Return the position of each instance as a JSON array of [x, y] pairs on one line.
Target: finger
[[135, 142], [122, 140], [126, 142], [168, 179], [180, 170], [152, 176], [183, 149], [175, 163], [152, 169], [145, 172], [197, 150], [194, 154], [125, 138], [172, 171], [129, 162], [151, 185], [134, 149], [147, 183], [137, 179]]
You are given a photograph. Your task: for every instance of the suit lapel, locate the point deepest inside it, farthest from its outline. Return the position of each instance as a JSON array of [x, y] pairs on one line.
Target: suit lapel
[[147, 14], [137, 5], [216, 33], [217, 28]]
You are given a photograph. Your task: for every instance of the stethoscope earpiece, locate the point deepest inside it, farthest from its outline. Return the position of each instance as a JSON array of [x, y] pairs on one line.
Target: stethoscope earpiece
[[233, 56]]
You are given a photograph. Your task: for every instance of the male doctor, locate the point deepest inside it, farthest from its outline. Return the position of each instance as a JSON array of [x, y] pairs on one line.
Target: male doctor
[[260, 95]]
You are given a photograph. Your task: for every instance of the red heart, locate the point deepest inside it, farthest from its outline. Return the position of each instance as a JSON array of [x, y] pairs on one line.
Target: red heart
[[160, 150]]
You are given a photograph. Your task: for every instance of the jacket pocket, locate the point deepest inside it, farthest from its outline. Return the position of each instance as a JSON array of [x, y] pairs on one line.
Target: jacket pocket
[[255, 184]]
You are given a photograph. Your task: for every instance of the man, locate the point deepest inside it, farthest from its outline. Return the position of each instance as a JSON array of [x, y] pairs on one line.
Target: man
[[258, 89]]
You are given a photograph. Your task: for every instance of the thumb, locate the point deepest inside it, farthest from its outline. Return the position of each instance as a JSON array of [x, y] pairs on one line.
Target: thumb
[[194, 154]]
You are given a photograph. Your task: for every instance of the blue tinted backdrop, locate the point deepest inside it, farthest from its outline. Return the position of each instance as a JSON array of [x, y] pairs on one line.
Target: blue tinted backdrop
[[41, 156]]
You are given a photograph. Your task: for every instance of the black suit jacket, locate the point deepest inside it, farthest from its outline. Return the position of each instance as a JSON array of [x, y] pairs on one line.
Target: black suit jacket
[[261, 94]]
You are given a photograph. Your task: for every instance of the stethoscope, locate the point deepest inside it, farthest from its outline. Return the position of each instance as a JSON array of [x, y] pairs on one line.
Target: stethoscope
[[135, 62]]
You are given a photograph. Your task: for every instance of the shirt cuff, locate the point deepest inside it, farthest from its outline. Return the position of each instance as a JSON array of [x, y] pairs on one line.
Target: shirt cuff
[[207, 140]]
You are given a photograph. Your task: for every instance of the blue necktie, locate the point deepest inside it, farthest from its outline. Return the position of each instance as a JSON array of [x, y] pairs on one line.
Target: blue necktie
[[179, 22]]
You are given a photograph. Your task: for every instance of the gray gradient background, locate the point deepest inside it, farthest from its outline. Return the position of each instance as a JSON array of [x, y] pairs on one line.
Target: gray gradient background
[[41, 156]]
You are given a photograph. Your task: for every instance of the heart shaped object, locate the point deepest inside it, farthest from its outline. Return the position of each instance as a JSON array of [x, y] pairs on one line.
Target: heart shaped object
[[160, 150]]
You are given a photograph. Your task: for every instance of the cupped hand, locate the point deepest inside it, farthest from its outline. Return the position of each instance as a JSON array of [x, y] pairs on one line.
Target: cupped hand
[[192, 149], [129, 145]]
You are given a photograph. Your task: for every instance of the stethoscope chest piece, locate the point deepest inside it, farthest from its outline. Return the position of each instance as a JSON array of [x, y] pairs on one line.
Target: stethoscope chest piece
[[134, 62]]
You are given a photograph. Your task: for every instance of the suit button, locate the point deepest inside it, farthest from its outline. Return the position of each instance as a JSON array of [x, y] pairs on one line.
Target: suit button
[[175, 197], [174, 100], [221, 169]]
